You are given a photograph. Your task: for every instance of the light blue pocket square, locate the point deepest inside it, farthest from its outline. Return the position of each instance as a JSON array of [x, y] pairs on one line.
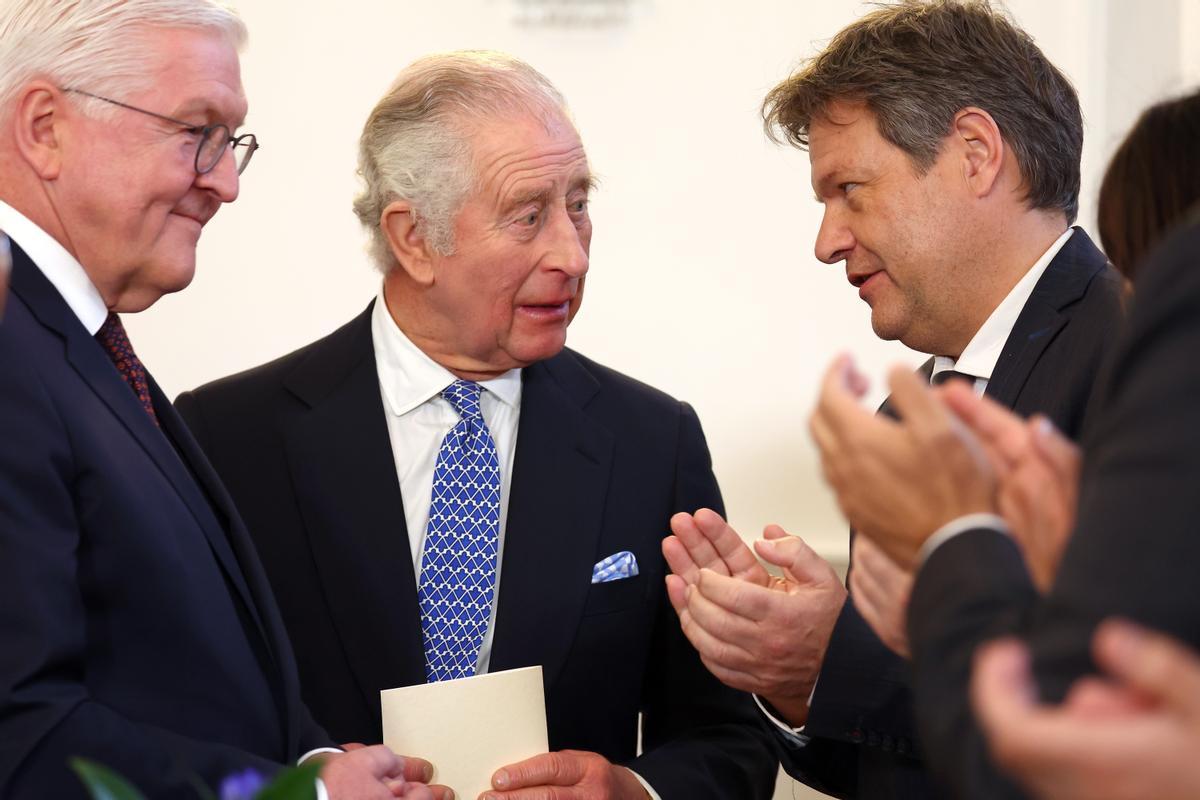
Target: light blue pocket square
[[616, 567]]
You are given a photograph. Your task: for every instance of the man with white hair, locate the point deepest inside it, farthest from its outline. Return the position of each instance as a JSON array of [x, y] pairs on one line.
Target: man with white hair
[[440, 489], [139, 630]]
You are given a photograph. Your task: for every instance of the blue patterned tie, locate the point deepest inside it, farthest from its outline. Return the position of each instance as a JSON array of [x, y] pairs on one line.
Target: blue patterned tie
[[458, 569]]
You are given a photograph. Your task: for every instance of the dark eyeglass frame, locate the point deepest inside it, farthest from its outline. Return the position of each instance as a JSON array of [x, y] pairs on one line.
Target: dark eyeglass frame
[[205, 132]]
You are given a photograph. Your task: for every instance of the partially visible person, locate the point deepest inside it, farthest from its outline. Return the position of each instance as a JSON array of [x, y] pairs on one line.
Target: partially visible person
[[1133, 549], [944, 146], [345, 456], [1130, 735], [138, 628], [1150, 185], [1151, 182]]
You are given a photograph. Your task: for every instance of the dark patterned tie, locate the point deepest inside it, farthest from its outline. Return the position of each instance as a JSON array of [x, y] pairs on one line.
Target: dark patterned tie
[[115, 341]]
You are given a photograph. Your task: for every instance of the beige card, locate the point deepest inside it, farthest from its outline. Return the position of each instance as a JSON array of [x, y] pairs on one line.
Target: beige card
[[470, 727]]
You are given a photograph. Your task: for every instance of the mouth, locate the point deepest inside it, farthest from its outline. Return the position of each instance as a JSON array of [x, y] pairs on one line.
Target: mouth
[[865, 281], [546, 311]]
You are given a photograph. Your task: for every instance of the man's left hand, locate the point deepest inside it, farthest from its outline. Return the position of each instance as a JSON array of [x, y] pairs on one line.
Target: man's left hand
[[565, 775], [898, 482]]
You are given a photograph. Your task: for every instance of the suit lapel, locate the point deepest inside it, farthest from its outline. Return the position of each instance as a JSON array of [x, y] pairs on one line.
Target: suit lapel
[[555, 513], [91, 363], [1064, 282], [340, 458]]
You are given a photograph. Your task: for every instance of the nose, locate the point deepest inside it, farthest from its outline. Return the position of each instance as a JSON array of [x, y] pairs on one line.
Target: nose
[[223, 179], [569, 244], [834, 238]]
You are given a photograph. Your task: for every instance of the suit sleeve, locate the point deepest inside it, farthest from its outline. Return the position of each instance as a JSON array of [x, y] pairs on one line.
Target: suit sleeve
[[188, 404], [701, 739], [46, 713], [1133, 553]]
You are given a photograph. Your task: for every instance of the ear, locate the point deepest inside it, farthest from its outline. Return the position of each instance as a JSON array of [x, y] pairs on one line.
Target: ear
[[39, 122], [983, 148], [406, 237]]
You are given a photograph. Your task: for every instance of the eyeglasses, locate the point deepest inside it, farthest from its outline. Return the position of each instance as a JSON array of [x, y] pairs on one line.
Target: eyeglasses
[[214, 139]]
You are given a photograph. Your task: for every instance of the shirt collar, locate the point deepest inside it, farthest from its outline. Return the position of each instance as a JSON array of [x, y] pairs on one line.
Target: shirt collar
[[979, 357], [410, 378], [61, 268]]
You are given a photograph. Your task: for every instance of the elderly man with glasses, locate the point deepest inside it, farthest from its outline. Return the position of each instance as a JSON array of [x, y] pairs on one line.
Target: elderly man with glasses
[[139, 630]]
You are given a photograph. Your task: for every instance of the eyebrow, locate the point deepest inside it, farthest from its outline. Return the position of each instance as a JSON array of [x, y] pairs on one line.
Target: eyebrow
[[541, 194]]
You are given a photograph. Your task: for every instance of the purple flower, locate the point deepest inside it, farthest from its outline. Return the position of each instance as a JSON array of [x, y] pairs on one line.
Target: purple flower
[[242, 785]]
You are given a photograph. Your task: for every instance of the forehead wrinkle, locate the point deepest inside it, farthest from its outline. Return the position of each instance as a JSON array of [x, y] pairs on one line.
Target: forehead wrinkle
[[543, 170]]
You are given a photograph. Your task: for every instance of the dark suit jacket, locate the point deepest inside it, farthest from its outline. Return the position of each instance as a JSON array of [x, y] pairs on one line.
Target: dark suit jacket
[[1134, 550], [139, 629], [861, 717], [602, 462]]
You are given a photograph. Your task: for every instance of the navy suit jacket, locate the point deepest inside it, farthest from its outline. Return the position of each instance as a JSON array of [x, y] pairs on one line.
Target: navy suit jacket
[[138, 628], [861, 724], [601, 464], [1133, 553]]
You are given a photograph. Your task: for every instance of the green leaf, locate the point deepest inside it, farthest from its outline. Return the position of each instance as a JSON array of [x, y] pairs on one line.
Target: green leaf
[[298, 783], [102, 783]]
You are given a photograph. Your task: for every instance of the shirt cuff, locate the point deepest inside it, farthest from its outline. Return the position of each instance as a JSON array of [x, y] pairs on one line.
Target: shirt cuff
[[956, 526], [322, 792], [794, 736], [649, 789]]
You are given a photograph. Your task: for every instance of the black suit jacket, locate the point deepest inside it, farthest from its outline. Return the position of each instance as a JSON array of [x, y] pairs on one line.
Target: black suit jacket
[[1134, 550], [139, 629], [602, 462], [861, 722]]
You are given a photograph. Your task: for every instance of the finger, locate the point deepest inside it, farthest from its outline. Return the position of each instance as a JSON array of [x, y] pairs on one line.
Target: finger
[[380, 761], [1002, 689], [677, 594], [799, 561], [1063, 455], [730, 547], [679, 559], [1004, 432], [1097, 698], [837, 405], [415, 769], [699, 548], [547, 769], [739, 599], [1150, 662], [915, 403], [712, 631], [348, 746], [412, 791]]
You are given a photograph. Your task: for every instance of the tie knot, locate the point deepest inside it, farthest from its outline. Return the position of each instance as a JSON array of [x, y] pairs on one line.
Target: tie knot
[[950, 375], [464, 396], [112, 335]]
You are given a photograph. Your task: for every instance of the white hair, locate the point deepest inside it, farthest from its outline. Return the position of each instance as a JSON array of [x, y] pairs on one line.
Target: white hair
[[96, 45], [416, 144]]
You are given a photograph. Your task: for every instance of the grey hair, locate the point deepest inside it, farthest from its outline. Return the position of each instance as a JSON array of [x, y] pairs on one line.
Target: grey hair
[[416, 144], [97, 45]]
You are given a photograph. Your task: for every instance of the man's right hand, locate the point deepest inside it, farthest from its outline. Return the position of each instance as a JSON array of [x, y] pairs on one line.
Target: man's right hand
[[367, 773], [754, 632]]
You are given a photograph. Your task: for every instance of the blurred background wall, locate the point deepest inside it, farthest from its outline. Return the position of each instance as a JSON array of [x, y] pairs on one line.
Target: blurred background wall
[[703, 280]]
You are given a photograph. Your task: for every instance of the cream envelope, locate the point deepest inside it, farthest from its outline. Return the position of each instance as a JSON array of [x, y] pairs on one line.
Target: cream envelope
[[470, 727]]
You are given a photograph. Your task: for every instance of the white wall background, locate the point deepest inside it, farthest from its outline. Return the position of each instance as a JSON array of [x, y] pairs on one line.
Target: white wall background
[[703, 280]]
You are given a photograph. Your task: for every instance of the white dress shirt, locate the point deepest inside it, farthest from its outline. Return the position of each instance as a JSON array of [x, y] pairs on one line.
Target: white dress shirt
[[60, 267], [418, 419]]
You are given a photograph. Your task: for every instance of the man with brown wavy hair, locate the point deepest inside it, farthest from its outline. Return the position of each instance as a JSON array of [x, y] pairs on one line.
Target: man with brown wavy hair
[[945, 148]]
